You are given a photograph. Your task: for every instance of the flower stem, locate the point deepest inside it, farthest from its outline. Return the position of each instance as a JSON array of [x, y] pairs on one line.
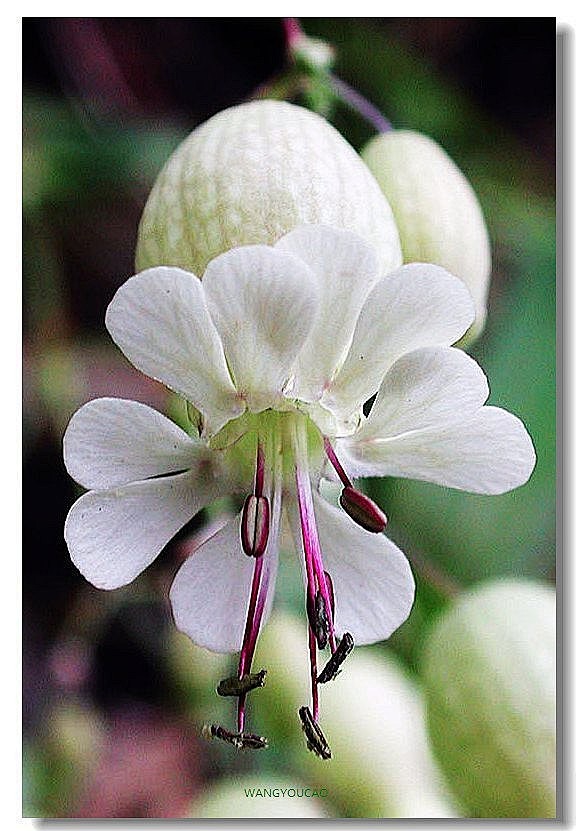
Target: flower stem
[[356, 101], [292, 32]]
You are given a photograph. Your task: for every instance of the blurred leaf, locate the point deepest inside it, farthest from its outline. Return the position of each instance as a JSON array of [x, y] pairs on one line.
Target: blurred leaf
[[66, 159]]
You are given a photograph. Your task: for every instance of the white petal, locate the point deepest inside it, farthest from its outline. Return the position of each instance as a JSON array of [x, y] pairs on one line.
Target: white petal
[[211, 591], [430, 387], [114, 535], [160, 321], [263, 303], [373, 583], [418, 305], [346, 269], [490, 452], [111, 441]]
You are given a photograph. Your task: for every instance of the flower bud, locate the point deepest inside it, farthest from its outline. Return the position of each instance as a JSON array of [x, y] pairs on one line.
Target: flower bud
[[489, 674], [372, 718], [251, 174], [437, 213]]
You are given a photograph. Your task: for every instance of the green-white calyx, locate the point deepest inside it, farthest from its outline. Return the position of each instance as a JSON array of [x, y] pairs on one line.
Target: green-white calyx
[[438, 215], [489, 678], [251, 174]]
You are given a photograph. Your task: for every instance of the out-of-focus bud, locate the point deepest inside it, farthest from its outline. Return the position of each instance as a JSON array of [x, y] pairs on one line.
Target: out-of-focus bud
[[252, 173], [77, 733], [261, 797], [437, 213], [195, 673], [373, 720], [313, 53], [489, 671]]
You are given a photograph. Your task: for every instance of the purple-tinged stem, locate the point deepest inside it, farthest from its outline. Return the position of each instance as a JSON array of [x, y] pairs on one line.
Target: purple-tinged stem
[[361, 105], [342, 475]]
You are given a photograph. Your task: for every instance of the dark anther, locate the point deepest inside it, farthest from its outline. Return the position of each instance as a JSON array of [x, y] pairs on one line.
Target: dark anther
[[318, 619], [363, 510], [241, 686], [332, 668], [330, 586], [316, 741], [255, 525], [239, 740]]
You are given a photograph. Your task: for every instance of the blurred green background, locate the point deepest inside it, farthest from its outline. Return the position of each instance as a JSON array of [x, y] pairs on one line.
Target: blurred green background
[[113, 700]]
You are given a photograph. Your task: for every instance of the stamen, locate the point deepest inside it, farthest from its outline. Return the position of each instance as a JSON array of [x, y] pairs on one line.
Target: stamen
[[318, 597], [240, 686], [310, 542], [239, 740], [259, 477], [357, 505], [332, 668], [342, 475], [313, 671], [316, 741], [330, 586], [249, 641], [263, 573], [255, 525], [363, 510], [318, 620]]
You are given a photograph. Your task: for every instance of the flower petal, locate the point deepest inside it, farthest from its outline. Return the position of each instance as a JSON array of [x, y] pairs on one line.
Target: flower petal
[[346, 269], [112, 441], [418, 305], [490, 452], [114, 535], [263, 303], [430, 387], [159, 320], [373, 583], [211, 591]]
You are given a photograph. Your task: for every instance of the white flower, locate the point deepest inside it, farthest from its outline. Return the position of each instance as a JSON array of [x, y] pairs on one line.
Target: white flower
[[279, 348]]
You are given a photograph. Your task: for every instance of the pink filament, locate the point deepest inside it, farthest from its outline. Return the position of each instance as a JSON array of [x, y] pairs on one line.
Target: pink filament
[[312, 552], [258, 592], [336, 464], [251, 630], [259, 477]]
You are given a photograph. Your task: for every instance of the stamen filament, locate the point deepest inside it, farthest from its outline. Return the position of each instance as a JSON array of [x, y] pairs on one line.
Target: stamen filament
[[313, 672], [263, 567], [342, 475], [260, 467], [250, 635], [310, 539], [316, 578]]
